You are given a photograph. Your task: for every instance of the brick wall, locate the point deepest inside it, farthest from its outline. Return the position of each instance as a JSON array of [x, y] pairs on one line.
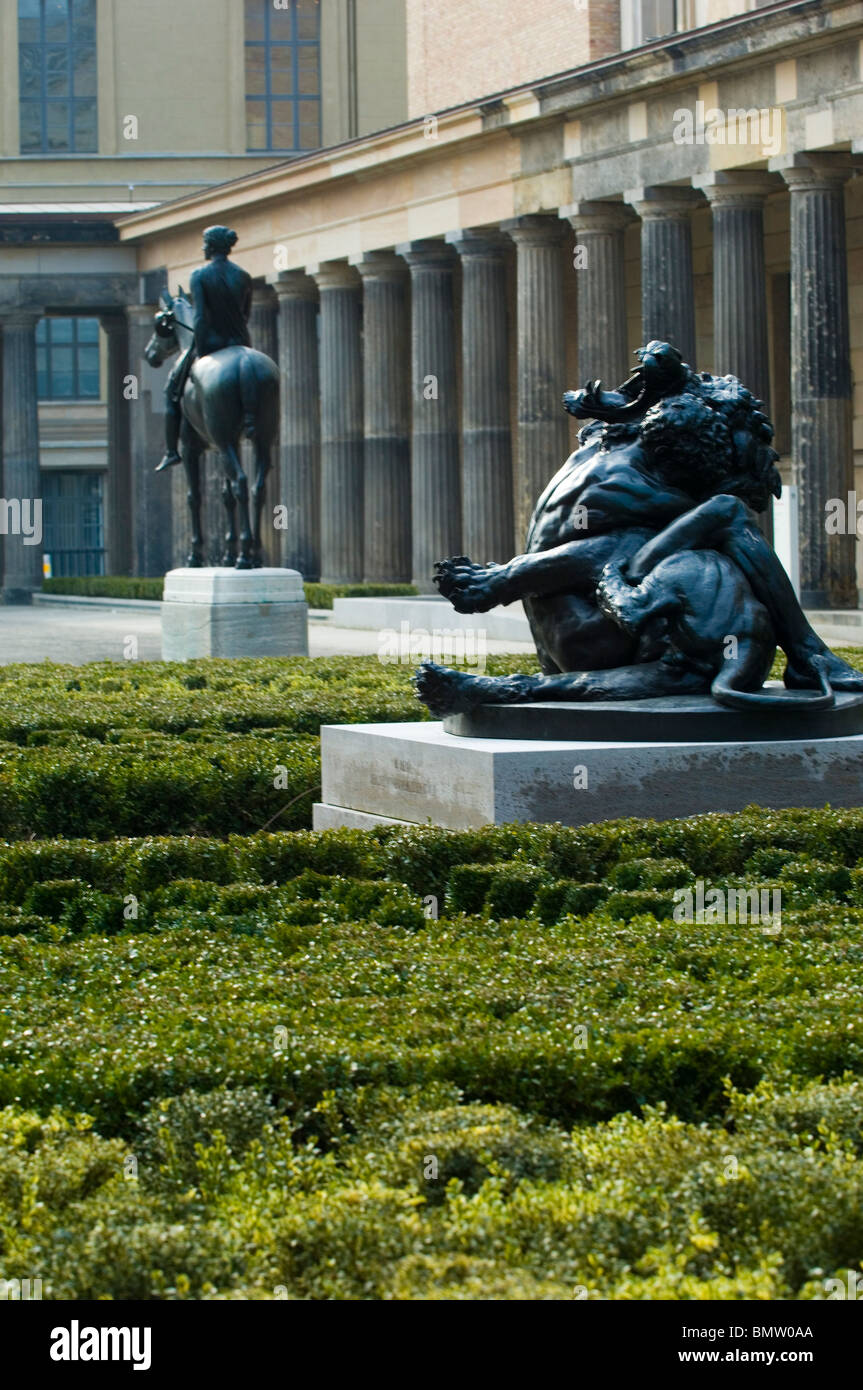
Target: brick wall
[[460, 50]]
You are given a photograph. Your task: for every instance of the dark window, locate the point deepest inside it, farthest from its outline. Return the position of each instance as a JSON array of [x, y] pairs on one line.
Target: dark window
[[67, 359], [57, 76], [73, 522], [283, 76]]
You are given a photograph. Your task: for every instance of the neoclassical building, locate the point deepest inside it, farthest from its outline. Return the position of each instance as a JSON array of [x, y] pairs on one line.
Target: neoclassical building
[[431, 289]]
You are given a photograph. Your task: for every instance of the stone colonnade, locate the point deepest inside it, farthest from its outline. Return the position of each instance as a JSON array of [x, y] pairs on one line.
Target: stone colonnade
[[400, 441]]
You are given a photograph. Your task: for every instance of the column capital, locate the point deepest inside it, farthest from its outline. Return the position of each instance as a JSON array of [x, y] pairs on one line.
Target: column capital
[[535, 229], [598, 216], [430, 252], [664, 202], [334, 275], [483, 243], [262, 294], [824, 170], [294, 284], [139, 314], [380, 266], [20, 317], [113, 321], [745, 188]]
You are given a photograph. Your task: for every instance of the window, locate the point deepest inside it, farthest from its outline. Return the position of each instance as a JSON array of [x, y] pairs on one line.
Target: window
[[283, 76], [72, 519], [57, 76], [67, 359]]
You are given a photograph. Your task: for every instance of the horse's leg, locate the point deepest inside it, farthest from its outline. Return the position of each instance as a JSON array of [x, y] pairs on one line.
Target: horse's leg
[[446, 691], [262, 468], [193, 449], [239, 486], [229, 553]]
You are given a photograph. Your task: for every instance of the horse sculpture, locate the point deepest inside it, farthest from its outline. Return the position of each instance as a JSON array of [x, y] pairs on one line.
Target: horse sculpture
[[224, 389]]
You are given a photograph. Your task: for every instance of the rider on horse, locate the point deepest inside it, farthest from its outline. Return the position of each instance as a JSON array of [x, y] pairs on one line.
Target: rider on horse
[[221, 295]]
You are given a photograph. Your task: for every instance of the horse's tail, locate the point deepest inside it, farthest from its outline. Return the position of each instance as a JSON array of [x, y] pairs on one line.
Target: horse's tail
[[248, 392], [725, 694]]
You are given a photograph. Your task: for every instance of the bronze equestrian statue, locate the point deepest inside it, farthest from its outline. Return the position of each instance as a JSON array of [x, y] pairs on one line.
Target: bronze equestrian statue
[[645, 573], [220, 391]]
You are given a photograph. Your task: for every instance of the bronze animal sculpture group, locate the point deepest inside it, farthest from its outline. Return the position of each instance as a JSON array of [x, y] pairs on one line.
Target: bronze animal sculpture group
[[645, 573]]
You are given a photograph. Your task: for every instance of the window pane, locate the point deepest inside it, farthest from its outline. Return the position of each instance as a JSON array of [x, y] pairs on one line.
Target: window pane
[[256, 70], [84, 20], [30, 70], [42, 331], [61, 330], [283, 128], [62, 372], [56, 125], [85, 71], [281, 22], [281, 72], [30, 118], [85, 126], [57, 72], [255, 10], [88, 330], [29, 21], [310, 125], [307, 63], [308, 14], [57, 21]]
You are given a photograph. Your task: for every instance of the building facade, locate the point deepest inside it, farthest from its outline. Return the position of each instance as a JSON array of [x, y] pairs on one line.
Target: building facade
[[557, 189]]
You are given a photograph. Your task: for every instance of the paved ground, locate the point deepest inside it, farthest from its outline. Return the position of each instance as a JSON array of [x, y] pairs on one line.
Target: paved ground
[[67, 633], [70, 634]]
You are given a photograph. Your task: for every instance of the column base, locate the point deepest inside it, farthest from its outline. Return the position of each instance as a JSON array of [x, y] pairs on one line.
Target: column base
[[820, 598], [17, 596]]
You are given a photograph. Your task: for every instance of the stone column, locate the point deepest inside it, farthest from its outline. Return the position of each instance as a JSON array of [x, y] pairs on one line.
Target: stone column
[[386, 397], [740, 283], [151, 494], [821, 420], [435, 466], [22, 487], [299, 471], [667, 299], [342, 522], [603, 348], [263, 331], [487, 495], [543, 432], [739, 279], [119, 499]]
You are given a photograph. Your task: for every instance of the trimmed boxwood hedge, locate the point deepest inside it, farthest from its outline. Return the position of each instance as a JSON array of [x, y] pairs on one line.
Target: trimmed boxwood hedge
[[124, 587]]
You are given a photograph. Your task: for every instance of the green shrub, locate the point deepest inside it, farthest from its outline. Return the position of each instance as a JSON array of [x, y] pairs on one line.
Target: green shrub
[[106, 586], [650, 873], [322, 595]]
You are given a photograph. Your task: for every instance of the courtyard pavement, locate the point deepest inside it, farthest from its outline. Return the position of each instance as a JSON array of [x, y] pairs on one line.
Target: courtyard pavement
[[73, 634]]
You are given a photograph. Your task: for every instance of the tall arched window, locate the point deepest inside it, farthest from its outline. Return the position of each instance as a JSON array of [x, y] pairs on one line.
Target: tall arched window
[[283, 75]]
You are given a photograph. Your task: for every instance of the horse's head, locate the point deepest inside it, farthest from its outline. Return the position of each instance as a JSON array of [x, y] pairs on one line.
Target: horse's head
[[172, 328]]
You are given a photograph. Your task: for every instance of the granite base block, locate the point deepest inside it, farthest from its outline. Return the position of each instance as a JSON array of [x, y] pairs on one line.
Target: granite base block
[[224, 612], [417, 774]]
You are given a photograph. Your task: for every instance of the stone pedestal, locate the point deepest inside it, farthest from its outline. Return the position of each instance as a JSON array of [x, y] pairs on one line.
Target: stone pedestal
[[418, 773], [229, 612]]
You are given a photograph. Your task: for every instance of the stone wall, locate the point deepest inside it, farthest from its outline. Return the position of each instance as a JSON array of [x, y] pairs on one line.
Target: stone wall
[[458, 52]]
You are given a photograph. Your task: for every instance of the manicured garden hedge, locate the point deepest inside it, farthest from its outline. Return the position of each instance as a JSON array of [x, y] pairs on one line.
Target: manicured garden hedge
[[124, 587], [245, 1062], [301, 1084]]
